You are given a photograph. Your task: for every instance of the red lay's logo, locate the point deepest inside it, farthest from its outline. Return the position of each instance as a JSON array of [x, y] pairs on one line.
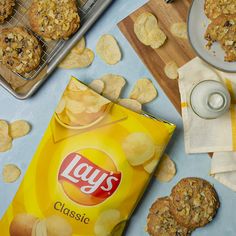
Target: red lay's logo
[[84, 181]]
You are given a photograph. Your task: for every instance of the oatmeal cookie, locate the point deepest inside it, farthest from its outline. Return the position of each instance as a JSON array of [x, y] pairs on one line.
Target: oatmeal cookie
[[19, 50], [223, 30], [161, 223], [193, 202], [6, 9], [54, 19], [214, 8]]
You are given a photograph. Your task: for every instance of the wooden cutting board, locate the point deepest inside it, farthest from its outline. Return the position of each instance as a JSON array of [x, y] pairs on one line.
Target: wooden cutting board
[[175, 49]]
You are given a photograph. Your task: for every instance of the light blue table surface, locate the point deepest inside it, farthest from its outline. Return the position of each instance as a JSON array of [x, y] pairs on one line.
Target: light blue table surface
[[39, 109]]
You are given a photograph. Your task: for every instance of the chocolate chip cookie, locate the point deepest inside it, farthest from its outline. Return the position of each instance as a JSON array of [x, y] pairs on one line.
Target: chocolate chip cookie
[[20, 51], [160, 222], [214, 8], [54, 19], [223, 30], [193, 202], [6, 9]]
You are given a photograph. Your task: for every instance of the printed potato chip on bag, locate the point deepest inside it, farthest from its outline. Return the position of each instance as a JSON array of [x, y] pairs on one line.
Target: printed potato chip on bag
[[90, 169]]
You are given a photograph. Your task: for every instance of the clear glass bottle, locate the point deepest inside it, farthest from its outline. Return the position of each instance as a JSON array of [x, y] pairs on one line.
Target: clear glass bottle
[[210, 99]]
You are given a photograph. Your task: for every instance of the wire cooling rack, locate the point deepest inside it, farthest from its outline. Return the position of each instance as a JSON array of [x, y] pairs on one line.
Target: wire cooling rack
[[49, 48]]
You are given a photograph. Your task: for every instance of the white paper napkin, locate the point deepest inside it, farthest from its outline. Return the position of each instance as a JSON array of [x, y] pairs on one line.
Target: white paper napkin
[[223, 168], [202, 136]]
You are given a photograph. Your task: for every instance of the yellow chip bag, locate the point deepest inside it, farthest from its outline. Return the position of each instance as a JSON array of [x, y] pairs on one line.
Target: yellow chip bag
[[81, 179]]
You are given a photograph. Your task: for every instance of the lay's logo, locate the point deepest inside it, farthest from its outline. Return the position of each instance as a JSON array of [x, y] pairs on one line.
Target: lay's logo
[[85, 182]]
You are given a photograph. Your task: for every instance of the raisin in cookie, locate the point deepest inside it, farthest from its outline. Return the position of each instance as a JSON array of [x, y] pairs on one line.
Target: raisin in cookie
[[161, 223], [19, 50], [214, 8], [193, 202], [54, 19], [223, 30], [6, 9]]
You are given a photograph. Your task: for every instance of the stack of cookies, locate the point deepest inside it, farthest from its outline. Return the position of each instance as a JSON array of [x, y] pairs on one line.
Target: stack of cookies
[[222, 28], [192, 204], [20, 50]]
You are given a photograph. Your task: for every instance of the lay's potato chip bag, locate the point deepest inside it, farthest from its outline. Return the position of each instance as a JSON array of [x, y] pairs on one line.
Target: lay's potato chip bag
[[90, 169]]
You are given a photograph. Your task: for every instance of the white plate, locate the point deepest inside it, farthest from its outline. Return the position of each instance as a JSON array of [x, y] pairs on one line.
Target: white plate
[[197, 25]]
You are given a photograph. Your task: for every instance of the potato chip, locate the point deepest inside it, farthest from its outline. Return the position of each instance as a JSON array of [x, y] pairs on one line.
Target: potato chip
[[131, 104], [148, 32], [166, 170], [5, 143], [10, 173], [22, 225], [94, 102], [97, 85], [150, 165], [113, 86], [63, 117], [138, 148], [171, 70], [74, 106], [19, 128], [108, 49], [58, 226], [61, 106], [39, 228], [80, 46], [143, 91], [75, 60], [158, 38], [83, 119], [106, 222], [179, 30], [4, 128], [5, 139], [75, 86]]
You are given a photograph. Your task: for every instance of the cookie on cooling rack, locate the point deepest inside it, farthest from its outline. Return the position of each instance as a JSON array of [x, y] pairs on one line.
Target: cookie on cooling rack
[[160, 222], [223, 30], [20, 51], [193, 202], [214, 8], [6, 9], [54, 19]]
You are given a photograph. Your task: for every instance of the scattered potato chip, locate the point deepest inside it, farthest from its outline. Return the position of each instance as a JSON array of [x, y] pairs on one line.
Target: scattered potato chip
[[108, 49], [75, 60], [179, 30], [148, 32], [166, 169], [97, 85], [106, 222], [5, 139], [158, 38], [10, 173], [131, 104], [4, 127], [5, 143], [143, 91], [113, 86], [150, 165], [58, 226], [171, 70], [138, 148], [19, 128], [80, 46], [61, 106]]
